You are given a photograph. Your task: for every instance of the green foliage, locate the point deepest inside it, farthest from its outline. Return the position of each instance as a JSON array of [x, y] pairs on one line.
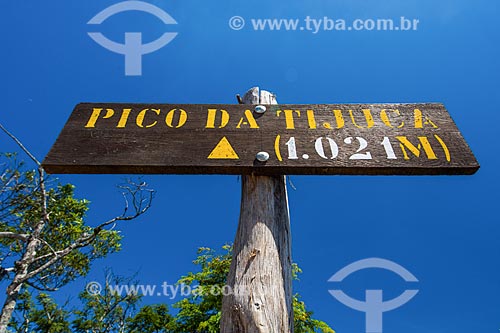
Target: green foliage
[[44, 315], [64, 236], [50, 318], [201, 311], [151, 319], [106, 311], [303, 321], [65, 226], [25, 305], [45, 242], [22, 209]]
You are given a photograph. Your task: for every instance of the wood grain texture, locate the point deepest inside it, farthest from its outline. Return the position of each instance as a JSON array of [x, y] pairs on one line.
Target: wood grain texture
[[260, 275], [180, 138]]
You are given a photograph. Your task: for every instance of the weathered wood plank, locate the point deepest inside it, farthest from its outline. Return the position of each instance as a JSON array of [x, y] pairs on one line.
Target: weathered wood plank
[[400, 139], [261, 270]]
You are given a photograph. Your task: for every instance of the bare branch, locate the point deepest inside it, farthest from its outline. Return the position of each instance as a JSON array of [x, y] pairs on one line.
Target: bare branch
[[141, 199], [48, 245], [79, 243], [13, 235], [13, 137], [40, 288], [45, 214], [5, 272]]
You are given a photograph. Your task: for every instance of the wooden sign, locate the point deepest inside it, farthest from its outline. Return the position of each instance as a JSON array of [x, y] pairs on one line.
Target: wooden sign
[[357, 139]]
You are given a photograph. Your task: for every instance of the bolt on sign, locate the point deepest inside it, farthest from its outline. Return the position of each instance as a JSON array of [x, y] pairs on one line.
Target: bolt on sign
[[326, 139]]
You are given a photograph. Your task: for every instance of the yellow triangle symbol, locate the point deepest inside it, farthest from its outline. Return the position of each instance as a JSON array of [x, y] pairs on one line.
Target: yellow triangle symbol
[[223, 151]]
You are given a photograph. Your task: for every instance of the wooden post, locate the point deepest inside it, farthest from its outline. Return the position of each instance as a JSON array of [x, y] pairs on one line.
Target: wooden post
[[260, 277]]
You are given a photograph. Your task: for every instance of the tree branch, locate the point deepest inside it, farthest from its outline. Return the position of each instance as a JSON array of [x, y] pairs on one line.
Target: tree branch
[[5, 272], [79, 243], [142, 205], [40, 288], [13, 137], [13, 235]]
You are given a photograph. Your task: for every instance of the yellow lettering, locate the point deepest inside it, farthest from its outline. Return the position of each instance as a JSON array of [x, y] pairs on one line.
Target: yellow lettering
[[418, 118], [140, 118], [170, 118], [424, 142], [368, 117], [310, 119], [212, 113], [445, 148], [419, 122], [124, 118], [387, 121], [95, 115], [250, 120], [339, 118], [290, 124]]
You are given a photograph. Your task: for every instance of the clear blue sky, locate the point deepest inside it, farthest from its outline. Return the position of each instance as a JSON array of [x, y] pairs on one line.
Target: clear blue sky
[[445, 230]]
